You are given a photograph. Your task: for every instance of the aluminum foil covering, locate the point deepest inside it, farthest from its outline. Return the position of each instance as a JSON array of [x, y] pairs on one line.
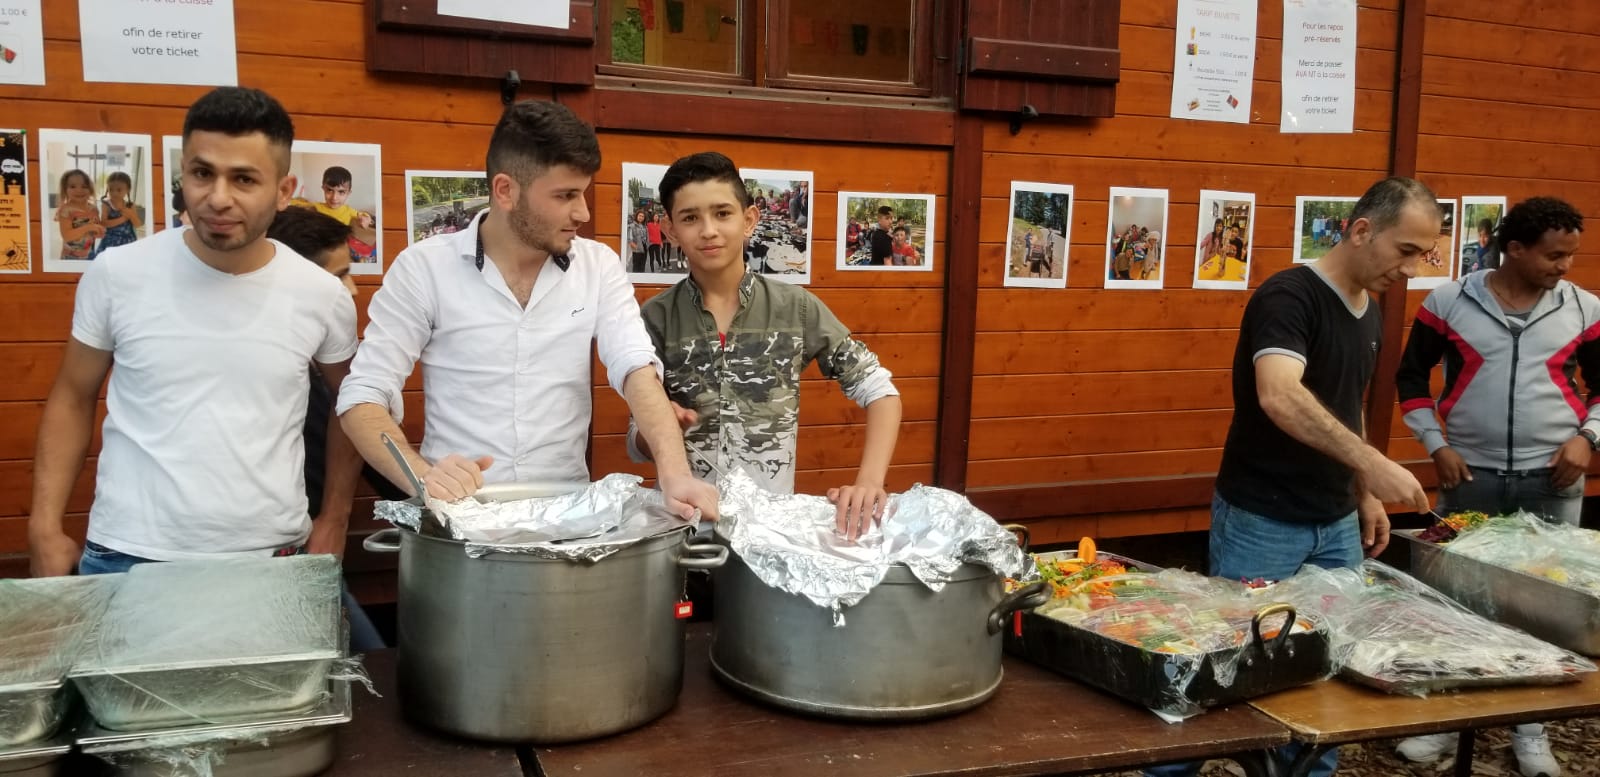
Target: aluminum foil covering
[[613, 513], [792, 544]]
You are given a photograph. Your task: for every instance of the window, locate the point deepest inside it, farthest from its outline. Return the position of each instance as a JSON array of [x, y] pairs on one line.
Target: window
[[881, 46]]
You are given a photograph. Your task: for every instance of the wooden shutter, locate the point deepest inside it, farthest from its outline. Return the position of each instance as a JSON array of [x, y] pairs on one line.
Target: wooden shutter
[[409, 36], [1059, 56]]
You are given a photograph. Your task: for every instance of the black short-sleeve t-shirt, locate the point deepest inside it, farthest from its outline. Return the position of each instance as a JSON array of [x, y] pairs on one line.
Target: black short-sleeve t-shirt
[[882, 244], [1264, 470]]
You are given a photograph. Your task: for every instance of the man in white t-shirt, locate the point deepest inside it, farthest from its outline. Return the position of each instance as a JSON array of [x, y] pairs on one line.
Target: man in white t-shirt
[[212, 330], [502, 316]]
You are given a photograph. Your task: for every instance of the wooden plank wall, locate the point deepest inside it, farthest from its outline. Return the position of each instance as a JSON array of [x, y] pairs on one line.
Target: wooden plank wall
[[1132, 387]]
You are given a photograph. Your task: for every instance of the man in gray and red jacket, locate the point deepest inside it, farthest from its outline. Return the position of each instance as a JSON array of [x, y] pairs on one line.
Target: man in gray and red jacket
[[1517, 433]]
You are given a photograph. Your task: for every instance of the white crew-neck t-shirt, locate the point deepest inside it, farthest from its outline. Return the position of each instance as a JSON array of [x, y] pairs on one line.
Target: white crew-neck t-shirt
[[202, 448]]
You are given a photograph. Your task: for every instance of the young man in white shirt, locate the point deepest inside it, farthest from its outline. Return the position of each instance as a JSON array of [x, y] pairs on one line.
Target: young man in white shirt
[[502, 315], [212, 329]]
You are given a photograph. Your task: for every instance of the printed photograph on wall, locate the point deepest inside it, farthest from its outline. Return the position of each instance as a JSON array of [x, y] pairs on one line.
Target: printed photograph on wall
[[443, 201], [1480, 217], [781, 245], [15, 227], [1320, 223], [891, 232], [647, 251], [1136, 248], [1222, 249], [345, 181], [94, 194], [176, 213], [1038, 235], [1436, 266]]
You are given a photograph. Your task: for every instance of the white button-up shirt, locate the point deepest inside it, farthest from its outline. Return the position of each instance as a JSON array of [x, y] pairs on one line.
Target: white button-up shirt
[[500, 380]]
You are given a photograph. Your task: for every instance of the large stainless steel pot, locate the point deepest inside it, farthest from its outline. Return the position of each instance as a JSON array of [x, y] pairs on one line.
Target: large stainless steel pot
[[509, 647], [904, 651]]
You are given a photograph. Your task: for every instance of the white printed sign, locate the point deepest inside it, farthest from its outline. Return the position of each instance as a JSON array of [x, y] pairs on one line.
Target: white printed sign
[[1214, 60], [21, 43], [1319, 66], [159, 42]]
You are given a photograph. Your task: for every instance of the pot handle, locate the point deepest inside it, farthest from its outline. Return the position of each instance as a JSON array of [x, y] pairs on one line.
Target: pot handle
[[703, 555], [1024, 537], [1027, 597], [1283, 631], [382, 541]]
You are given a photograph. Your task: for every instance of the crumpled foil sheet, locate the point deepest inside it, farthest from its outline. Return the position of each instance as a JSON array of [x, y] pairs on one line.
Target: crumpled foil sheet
[[610, 515], [791, 543]]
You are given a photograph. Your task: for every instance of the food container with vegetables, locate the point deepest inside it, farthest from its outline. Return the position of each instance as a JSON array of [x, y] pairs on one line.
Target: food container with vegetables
[[1170, 640]]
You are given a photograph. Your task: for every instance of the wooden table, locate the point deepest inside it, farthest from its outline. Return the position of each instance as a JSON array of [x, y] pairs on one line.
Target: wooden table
[[1334, 712], [378, 743], [1038, 723]]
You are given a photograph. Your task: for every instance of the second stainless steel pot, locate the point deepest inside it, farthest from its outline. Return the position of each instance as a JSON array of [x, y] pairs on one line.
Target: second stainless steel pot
[[510, 647]]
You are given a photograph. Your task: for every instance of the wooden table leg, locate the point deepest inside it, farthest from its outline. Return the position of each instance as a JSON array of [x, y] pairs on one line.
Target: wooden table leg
[[1306, 759], [1464, 753]]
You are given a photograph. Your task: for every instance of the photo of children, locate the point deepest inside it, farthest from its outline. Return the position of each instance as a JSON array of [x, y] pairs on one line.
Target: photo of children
[[344, 180], [177, 214], [1437, 265], [781, 245], [14, 220], [443, 201], [96, 194], [1136, 255], [1320, 223], [1480, 217], [885, 232], [1222, 249], [1038, 234], [647, 251]]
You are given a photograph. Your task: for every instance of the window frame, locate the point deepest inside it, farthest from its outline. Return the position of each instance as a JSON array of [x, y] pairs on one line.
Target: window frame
[[924, 21]]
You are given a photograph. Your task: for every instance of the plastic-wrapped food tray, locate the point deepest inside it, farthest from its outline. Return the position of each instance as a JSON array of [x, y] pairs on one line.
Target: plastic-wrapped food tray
[[1561, 615], [42, 625], [36, 759], [213, 642], [1170, 683]]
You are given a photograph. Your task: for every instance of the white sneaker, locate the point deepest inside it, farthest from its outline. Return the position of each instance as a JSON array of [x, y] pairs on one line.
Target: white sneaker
[[1533, 751], [1428, 748]]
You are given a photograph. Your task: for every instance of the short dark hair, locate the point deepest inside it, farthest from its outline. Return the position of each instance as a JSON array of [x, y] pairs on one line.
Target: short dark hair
[[885, 210], [903, 228], [1486, 225], [1527, 221], [1383, 202], [699, 168], [536, 135], [239, 110], [336, 176], [308, 232], [1238, 245]]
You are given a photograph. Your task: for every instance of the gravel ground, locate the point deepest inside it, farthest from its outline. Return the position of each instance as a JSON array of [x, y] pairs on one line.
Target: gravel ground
[[1576, 744]]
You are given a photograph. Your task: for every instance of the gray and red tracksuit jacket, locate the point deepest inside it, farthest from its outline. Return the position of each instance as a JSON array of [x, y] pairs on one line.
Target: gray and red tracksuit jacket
[[1509, 397]]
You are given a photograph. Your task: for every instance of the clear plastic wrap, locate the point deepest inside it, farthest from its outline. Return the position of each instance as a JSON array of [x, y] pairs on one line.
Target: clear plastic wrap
[[1172, 640], [208, 641], [1392, 632], [792, 544], [1567, 555], [43, 623], [587, 525]]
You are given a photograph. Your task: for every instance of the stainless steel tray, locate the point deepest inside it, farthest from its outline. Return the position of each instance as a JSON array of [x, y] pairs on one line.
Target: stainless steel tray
[[275, 746], [42, 624], [1558, 614], [29, 713], [39, 759], [265, 635]]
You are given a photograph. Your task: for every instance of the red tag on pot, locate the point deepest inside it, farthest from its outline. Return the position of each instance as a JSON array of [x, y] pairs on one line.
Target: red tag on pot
[[1016, 623], [683, 610]]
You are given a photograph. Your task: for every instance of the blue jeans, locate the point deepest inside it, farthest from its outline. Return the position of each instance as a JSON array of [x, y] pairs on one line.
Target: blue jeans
[[98, 559], [1245, 546], [1496, 492]]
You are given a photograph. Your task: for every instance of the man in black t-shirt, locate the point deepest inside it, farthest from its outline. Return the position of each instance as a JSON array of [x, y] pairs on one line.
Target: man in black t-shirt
[[1298, 483]]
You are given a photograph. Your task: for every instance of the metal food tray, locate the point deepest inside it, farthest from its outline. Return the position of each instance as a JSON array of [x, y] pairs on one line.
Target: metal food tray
[[247, 671], [40, 633], [37, 759], [1419, 687], [281, 746], [1561, 615], [1145, 677]]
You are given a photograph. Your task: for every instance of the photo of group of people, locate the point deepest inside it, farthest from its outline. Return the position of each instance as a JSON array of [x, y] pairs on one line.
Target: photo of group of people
[[885, 231], [96, 195], [1437, 266], [781, 245], [647, 250], [1135, 249], [1222, 249], [15, 228], [443, 201], [1321, 222], [1038, 235], [1480, 217]]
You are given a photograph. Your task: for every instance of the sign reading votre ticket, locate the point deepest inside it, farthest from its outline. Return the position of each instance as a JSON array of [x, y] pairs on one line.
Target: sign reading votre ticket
[[159, 42], [1319, 66]]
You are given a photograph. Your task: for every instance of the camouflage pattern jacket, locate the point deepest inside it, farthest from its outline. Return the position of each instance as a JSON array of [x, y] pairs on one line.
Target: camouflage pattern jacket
[[747, 390]]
